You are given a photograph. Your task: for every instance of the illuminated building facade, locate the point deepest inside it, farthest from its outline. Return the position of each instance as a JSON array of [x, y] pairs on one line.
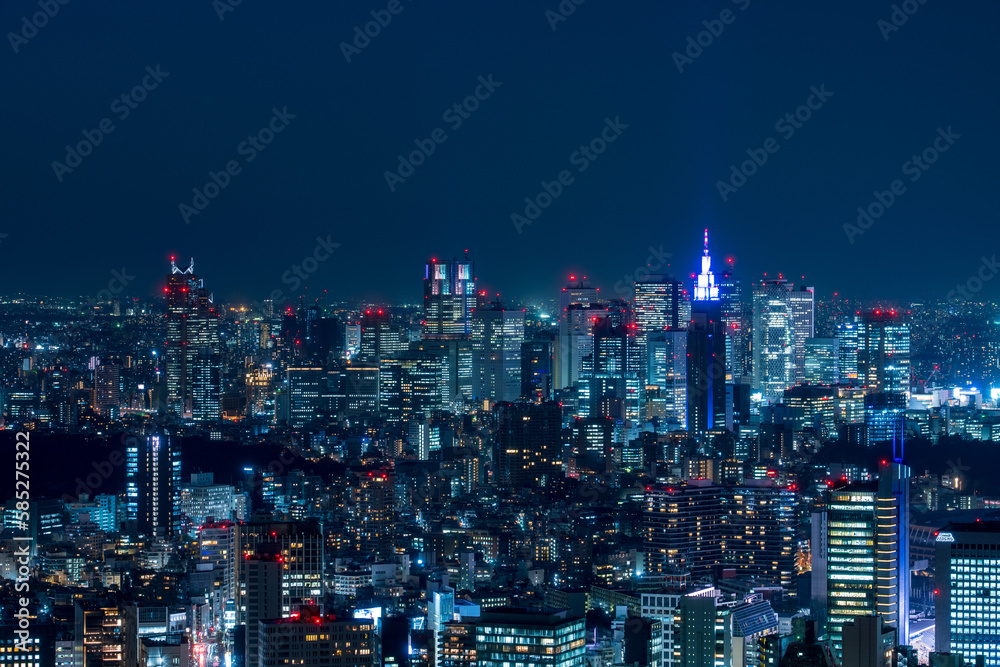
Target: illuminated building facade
[[318, 641], [773, 344], [152, 484], [529, 444], [193, 350], [884, 352], [706, 355], [822, 361], [497, 335], [966, 604], [548, 638], [666, 375], [449, 298]]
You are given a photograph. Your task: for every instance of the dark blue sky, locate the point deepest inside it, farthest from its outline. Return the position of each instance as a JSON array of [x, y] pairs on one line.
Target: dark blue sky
[[323, 175]]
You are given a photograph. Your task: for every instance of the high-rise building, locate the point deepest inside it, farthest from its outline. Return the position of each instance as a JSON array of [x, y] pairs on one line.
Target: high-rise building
[[318, 641], [773, 344], [300, 546], [706, 355], [736, 324], [869, 642], [217, 548], [529, 444], [411, 386], [152, 484], [613, 370], [497, 335], [193, 349], [885, 417], [822, 361], [575, 342], [696, 526], [867, 552], [264, 574], [577, 292], [536, 370], [449, 299], [106, 634], [802, 302], [372, 513], [666, 375], [380, 337], [107, 389], [966, 604], [847, 342], [305, 394], [884, 352], [545, 638], [661, 303]]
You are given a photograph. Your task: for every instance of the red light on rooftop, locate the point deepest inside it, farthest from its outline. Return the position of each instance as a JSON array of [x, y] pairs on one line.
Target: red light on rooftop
[[166, 289]]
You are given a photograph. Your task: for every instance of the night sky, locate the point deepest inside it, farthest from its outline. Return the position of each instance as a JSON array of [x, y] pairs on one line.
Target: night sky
[[654, 186]]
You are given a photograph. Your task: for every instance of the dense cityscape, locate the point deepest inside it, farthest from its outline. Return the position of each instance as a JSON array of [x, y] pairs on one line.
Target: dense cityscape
[[704, 470]]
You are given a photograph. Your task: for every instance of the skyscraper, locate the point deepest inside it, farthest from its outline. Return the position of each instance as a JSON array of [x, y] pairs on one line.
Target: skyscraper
[[706, 355], [666, 375], [822, 361], [497, 335], [264, 574], [529, 445], [536, 369], [884, 352], [802, 302], [372, 513], [847, 343], [305, 399], [152, 484], [736, 325], [107, 389], [966, 604], [660, 303], [773, 344], [193, 351], [449, 299]]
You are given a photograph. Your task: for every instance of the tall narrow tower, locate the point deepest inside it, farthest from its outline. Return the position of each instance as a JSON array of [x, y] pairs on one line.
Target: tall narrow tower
[[194, 362], [706, 350]]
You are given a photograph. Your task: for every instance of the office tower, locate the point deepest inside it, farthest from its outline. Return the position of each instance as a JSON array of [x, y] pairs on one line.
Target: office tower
[[847, 342], [106, 634], [885, 417], [966, 604], [263, 573], [217, 550], [193, 349], [536, 370], [869, 642], [851, 535], [449, 299], [152, 484], [666, 370], [773, 343], [892, 565], [575, 341], [411, 386], [802, 302], [661, 303], [884, 352], [592, 441], [822, 361], [318, 641], [361, 389], [809, 407], [381, 338], [736, 325], [545, 638], [107, 389], [706, 356], [868, 561], [305, 399], [612, 370], [456, 368], [759, 529], [300, 545], [497, 335], [529, 444], [372, 513], [577, 292]]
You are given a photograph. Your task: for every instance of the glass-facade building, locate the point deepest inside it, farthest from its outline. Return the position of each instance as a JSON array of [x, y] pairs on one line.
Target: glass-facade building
[[967, 579], [507, 637]]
